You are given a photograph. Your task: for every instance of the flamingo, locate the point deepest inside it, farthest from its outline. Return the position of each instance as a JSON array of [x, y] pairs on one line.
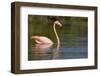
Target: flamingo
[[46, 40]]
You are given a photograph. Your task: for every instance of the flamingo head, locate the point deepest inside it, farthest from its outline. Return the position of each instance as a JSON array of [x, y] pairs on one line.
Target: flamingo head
[[58, 23]]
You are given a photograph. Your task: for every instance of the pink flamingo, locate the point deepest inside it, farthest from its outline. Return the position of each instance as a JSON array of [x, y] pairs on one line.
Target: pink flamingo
[[46, 40]]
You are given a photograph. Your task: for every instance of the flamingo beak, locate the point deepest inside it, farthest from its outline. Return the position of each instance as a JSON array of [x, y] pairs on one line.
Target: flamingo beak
[[60, 24]]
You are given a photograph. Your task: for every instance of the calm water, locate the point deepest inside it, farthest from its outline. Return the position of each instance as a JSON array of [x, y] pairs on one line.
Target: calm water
[[74, 48]]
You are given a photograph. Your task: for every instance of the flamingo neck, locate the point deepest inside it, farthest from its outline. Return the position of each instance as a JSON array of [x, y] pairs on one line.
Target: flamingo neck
[[57, 37]]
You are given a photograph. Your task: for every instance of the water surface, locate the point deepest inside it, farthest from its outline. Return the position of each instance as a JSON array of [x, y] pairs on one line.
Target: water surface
[[77, 49]]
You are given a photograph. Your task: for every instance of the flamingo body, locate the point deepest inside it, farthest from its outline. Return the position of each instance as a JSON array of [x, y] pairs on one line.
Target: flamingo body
[[46, 40], [42, 40]]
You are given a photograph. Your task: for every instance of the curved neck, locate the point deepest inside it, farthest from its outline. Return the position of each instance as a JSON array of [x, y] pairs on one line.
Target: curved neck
[[58, 40]]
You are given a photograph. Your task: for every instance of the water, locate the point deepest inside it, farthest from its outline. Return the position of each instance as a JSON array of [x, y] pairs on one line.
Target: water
[[74, 48]]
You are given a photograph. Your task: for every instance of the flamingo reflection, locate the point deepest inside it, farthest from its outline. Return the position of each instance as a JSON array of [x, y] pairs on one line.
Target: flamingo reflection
[[45, 52]]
